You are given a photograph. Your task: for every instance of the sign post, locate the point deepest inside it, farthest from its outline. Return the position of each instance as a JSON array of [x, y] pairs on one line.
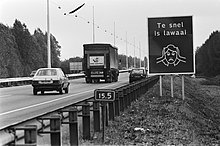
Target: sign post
[[170, 46], [104, 96]]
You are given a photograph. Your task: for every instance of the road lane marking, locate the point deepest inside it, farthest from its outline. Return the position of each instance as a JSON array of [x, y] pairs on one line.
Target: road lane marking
[[39, 104], [2, 96]]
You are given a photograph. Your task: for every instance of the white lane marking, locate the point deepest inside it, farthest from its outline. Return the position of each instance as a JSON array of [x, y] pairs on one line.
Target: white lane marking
[[31, 106], [1, 96]]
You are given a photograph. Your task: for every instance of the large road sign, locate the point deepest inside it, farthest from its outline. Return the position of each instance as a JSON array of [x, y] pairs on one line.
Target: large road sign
[[170, 45]]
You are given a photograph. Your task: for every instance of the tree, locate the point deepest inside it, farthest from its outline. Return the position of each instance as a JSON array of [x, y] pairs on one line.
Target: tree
[[10, 64], [208, 56]]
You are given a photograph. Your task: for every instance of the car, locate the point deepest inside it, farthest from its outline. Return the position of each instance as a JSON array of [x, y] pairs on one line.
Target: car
[[50, 79], [33, 73], [137, 74]]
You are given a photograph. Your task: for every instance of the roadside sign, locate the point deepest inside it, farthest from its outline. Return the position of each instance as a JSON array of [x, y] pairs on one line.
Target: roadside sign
[[106, 95], [75, 66], [170, 45]]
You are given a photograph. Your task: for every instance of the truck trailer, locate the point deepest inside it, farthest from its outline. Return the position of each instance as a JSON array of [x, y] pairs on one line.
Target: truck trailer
[[100, 62]]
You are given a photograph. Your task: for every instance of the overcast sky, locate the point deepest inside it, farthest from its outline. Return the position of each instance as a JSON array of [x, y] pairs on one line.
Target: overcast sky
[[129, 16]]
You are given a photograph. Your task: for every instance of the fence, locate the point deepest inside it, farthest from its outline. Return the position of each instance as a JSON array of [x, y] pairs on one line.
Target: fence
[[124, 96]]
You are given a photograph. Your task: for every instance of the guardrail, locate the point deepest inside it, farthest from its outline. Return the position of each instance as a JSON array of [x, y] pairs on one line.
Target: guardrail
[[8, 82], [123, 97]]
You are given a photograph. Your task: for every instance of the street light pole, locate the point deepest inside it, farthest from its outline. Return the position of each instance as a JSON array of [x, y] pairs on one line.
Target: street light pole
[[134, 55], [126, 52], [93, 24], [140, 53], [48, 37]]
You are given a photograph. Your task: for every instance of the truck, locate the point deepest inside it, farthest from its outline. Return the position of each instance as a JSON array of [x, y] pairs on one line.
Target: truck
[[100, 62]]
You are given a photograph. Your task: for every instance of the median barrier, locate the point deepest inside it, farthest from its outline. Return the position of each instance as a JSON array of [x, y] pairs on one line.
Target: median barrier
[[8, 82], [124, 96]]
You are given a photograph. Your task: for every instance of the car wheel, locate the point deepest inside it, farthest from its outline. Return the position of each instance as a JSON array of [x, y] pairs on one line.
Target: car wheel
[[66, 90], [34, 91], [42, 92]]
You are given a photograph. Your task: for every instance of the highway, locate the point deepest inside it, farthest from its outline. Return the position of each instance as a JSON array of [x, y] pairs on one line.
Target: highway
[[18, 103]]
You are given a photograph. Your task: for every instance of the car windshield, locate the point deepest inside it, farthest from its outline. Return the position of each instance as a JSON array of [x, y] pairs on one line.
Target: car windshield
[[47, 72], [137, 71]]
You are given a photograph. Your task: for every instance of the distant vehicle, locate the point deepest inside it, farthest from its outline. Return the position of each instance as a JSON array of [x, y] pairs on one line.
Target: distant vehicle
[[100, 63], [50, 79], [33, 73], [137, 74]]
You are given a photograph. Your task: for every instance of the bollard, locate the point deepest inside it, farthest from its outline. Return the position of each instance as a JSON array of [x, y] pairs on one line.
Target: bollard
[[111, 111], [55, 136], [116, 105], [86, 120], [96, 116]]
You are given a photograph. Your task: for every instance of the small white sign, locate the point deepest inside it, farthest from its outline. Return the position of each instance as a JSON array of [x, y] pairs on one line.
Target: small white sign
[[96, 60]]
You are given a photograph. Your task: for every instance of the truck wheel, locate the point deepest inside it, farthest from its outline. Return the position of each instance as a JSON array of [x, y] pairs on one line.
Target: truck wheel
[[116, 78], [88, 80], [66, 90], [61, 90], [34, 91], [109, 80]]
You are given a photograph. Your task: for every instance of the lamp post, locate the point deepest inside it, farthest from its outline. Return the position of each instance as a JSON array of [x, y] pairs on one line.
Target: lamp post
[[48, 31], [48, 37]]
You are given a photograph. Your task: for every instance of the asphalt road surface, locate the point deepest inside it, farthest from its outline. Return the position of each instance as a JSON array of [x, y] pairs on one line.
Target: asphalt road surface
[[18, 103]]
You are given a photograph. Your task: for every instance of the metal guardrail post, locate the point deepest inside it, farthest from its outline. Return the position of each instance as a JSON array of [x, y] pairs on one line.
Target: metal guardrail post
[[111, 110], [86, 120], [129, 95], [55, 129], [139, 90], [30, 135], [135, 91], [117, 103], [125, 98], [96, 116], [142, 87], [121, 100], [106, 115], [55, 136], [132, 92], [73, 126]]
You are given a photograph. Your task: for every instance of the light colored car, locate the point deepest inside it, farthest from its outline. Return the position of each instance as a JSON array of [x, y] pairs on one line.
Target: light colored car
[[50, 79]]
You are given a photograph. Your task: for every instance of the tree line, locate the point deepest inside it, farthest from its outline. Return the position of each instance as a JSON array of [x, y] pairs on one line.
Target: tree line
[[22, 52], [208, 56]]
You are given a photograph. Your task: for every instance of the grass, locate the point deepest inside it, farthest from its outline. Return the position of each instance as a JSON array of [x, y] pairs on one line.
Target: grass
[[154, 120], [166, 120]]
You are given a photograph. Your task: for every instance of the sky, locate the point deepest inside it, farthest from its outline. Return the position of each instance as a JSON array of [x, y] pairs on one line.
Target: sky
[[115, 21]]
